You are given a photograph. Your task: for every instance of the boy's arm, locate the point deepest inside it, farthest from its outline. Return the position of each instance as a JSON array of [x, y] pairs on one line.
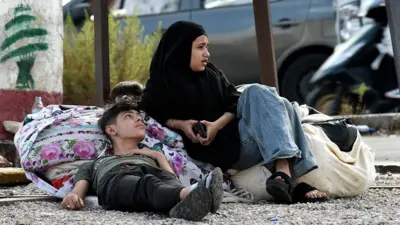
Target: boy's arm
[[82, 179], [81, 188], [74, 200], [156, 155], [164, 164]]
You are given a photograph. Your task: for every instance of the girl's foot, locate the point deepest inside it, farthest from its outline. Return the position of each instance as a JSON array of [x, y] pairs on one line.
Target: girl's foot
[[304, 192]]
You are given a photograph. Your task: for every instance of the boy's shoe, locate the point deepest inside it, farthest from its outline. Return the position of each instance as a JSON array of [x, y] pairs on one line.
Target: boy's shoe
[[213, 181], [195, 206], [206, 197]]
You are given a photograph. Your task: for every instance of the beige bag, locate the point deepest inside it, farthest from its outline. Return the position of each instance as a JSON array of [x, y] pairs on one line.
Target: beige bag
[[340, 174], [253, 180]]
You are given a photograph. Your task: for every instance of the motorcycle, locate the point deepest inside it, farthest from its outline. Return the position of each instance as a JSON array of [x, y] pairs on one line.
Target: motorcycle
[[357, 75]]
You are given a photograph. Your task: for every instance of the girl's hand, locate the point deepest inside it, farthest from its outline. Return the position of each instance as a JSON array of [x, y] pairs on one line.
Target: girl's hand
[[186, 127], [212, 131]]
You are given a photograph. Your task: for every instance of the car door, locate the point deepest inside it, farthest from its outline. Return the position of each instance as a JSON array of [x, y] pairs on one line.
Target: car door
[[231, 30], [152, 12]]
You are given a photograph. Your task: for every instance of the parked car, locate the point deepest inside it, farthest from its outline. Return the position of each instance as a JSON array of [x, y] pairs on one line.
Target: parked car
[[303, 32], [77, 10]]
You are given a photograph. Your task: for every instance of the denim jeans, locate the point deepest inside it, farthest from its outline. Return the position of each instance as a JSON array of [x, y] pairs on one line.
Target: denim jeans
[[269, 130]]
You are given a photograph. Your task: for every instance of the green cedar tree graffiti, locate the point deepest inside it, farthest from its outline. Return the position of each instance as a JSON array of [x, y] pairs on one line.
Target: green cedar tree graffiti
[[22, 41]]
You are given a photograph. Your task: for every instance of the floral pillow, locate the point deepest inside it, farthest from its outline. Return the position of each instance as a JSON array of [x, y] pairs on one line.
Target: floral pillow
[[68, 136], [162, 133]]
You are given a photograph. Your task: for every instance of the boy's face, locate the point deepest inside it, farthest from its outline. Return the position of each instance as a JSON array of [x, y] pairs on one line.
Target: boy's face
[[128, 125]]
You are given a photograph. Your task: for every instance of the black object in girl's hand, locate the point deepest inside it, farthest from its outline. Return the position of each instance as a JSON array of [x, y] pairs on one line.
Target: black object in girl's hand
[[199, 128]]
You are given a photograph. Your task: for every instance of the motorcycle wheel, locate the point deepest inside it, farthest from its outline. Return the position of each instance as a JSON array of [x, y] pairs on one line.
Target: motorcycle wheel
[[323, 99], [293, 80]]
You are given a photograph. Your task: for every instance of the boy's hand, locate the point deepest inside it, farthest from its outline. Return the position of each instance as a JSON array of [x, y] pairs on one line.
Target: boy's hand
[[157, 156], [72, 201], [149, 153]]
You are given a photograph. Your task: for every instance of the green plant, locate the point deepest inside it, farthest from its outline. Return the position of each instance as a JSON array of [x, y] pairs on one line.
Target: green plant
[[348, 107], [130, 57]]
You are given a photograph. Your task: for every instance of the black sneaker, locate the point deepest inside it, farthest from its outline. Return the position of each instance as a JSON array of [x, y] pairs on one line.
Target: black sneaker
[[215, 187], [195, 206]]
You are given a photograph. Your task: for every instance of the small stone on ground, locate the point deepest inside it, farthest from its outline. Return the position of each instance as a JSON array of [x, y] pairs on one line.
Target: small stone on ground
[[4, 162]]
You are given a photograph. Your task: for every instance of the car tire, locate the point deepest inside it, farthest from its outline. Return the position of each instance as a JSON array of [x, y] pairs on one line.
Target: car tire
[[294, 80]]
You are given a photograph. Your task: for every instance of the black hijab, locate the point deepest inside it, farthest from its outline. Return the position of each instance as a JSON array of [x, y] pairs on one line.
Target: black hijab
[[174, 91]]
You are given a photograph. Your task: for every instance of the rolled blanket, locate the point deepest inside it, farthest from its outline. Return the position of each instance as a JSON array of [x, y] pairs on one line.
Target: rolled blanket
[[62, 170]]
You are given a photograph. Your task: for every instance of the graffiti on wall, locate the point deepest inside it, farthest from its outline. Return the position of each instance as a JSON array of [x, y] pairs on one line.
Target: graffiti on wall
[[31, 56], [24, 37]]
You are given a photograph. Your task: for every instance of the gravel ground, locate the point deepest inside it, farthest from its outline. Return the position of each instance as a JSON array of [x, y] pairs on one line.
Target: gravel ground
[[388, 179], [377, 206]]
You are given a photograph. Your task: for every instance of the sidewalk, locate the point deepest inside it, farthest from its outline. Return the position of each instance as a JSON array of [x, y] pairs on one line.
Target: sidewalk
[[387, 152]]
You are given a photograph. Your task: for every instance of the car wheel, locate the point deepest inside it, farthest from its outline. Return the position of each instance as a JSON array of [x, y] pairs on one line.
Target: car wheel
[[294, 82]]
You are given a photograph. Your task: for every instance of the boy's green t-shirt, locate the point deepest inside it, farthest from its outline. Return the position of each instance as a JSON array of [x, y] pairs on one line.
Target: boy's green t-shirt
[[94, 171]]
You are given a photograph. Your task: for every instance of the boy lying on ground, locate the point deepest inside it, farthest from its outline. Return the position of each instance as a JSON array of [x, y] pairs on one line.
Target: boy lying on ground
[[140, 179]]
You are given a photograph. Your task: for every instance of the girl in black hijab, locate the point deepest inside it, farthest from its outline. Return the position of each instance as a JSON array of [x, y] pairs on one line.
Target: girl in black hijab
[[242, 129]]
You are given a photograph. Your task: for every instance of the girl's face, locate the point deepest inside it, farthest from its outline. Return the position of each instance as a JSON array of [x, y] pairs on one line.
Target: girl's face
[[200, 54]]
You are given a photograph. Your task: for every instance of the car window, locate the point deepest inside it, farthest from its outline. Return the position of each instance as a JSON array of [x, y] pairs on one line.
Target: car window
[[208, 4], [147, 7]]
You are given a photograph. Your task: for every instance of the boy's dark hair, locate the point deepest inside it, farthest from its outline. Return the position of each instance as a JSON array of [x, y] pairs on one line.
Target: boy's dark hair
[[128, 88], [112, 111]]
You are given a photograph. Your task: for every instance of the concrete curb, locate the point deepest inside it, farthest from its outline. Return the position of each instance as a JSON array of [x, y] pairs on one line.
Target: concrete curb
[[387, 121], [13, 176], [387, 169], [387, 166], [11, 200]]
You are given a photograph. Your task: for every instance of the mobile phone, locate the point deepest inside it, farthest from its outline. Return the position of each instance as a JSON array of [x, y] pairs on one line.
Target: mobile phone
[[199, 128]]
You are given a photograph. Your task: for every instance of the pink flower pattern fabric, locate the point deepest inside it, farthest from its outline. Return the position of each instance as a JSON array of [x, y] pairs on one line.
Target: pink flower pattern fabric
[[56, 138], [50, 152], [84, 149], [177, 164]]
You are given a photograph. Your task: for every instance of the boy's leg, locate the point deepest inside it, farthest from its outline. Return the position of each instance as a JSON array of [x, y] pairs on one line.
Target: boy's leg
[[213, 182], [165, 176], [146, 193], [149, 193]]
